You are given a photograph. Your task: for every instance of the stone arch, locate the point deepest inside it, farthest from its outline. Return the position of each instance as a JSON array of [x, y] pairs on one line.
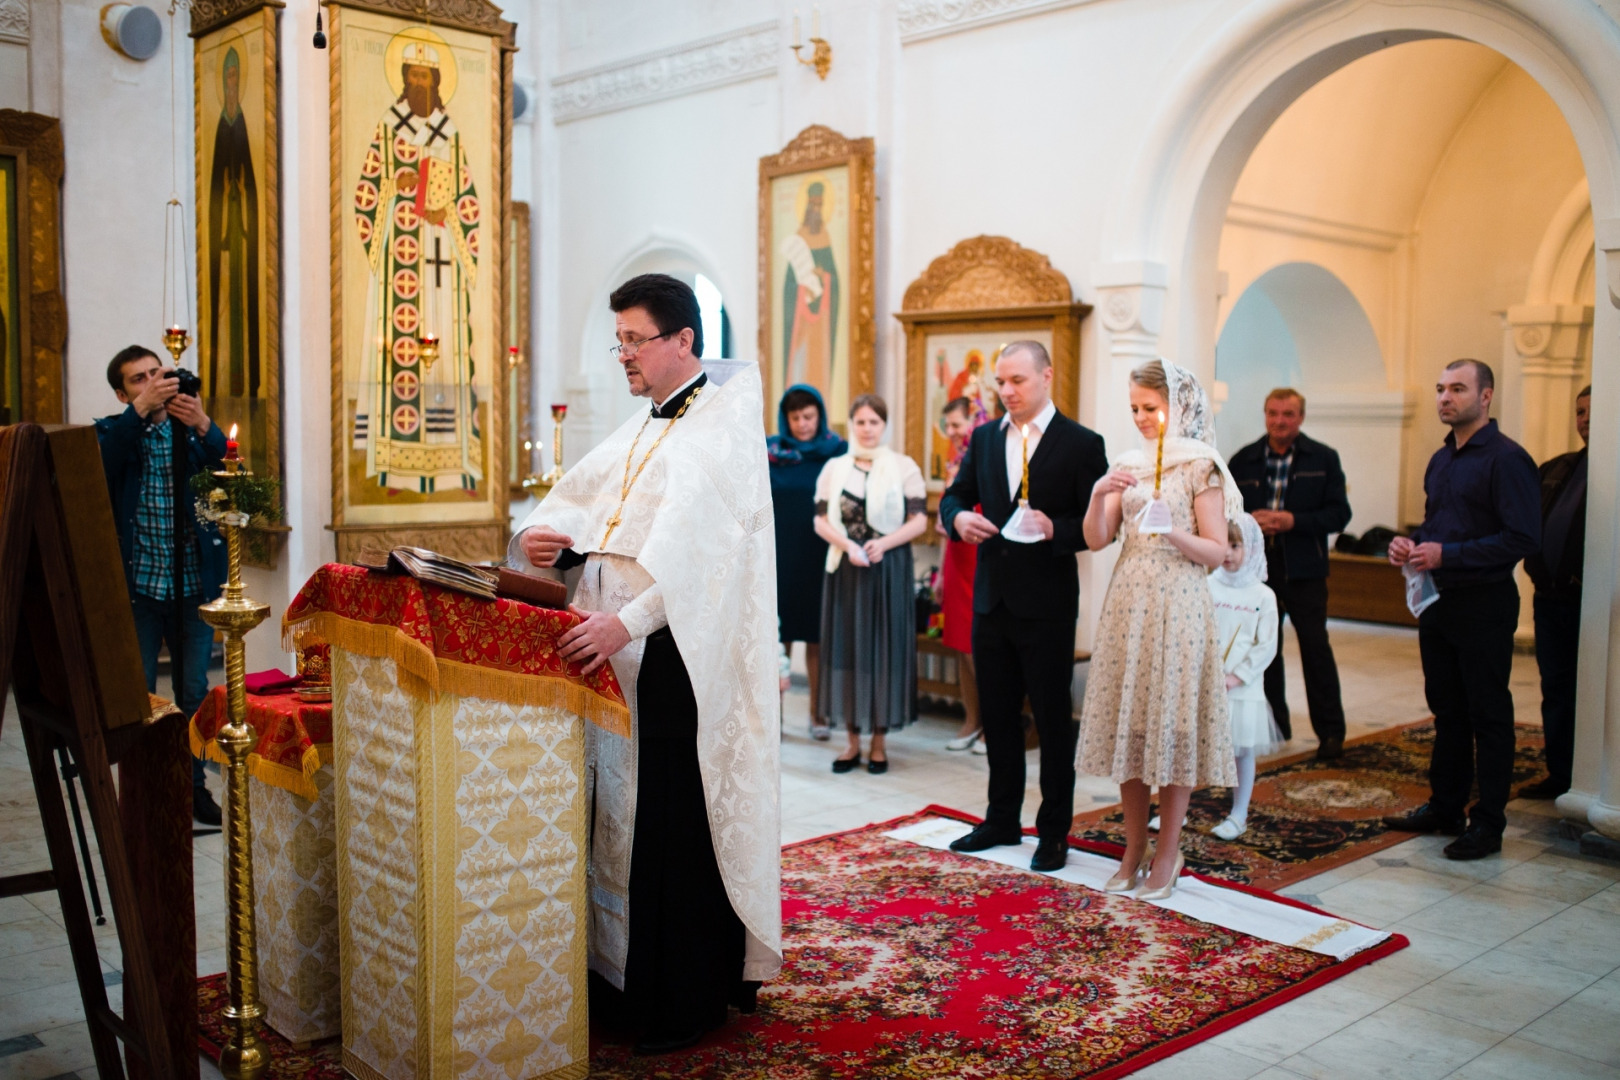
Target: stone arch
[[1159, 290], [1299, 325], [595, 386]]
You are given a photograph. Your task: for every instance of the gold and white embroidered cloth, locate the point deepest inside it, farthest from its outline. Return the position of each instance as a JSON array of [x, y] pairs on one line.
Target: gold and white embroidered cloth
[[296, 909], [461, 882], [698, 528]]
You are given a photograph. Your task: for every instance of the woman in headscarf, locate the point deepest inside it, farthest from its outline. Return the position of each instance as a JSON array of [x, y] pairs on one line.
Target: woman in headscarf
[[1155, 710], [799, 450], [869, 508]]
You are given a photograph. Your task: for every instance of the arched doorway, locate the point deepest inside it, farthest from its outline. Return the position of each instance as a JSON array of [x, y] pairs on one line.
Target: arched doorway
[[1298, 325], [596, 387], [1161, 289]]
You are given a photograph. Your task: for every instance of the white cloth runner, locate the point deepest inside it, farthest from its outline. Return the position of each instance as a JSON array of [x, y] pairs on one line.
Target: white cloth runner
[[1232, 909]]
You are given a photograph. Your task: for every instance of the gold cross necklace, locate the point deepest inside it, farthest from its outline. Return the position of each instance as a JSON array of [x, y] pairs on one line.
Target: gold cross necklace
[[630, 481]]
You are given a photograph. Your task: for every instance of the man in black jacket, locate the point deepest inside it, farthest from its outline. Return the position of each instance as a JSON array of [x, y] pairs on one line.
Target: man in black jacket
[[1556, 572], [172, 562], [1294, 487], [1026, 596]]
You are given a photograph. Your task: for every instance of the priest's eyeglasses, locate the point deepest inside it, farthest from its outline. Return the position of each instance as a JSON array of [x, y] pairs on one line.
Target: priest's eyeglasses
[[630, 348]]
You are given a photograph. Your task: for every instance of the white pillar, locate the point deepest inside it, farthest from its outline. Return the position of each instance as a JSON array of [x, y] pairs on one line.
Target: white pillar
[[1550, 344], [1595, 793]]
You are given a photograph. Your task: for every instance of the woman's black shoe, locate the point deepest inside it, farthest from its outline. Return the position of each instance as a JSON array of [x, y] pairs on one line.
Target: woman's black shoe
[[843, 765], [876, 767]]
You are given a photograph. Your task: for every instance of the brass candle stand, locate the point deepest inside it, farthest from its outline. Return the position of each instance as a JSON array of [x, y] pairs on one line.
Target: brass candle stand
[[541, 485], [246, 1055]]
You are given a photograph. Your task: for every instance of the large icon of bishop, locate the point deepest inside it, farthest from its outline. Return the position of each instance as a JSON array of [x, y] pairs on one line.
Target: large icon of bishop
[[417, 213]]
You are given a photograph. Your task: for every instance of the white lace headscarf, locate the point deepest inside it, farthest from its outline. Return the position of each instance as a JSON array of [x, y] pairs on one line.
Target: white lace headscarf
[[1253, 570], [1189, 435]]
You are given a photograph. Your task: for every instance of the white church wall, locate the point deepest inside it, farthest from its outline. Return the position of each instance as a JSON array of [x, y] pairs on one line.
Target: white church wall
[[1504, 176]]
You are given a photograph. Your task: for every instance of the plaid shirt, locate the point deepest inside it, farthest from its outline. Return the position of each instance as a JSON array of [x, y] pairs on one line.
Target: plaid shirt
[[1277, 468], [154, 523]]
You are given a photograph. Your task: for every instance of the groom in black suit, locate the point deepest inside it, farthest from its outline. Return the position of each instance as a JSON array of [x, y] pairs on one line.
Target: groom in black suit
[[1026, 596]]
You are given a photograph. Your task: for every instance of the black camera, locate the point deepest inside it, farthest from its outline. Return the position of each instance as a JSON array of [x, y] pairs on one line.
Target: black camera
[[190, 383]]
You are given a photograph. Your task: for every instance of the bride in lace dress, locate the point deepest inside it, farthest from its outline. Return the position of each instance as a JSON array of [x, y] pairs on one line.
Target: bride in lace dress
[[1155, 707]]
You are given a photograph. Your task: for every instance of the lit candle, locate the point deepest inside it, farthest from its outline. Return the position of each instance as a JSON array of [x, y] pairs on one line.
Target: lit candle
[[1158, 465], [796, 42], [1023, 488], [815, 22], [231, 446]]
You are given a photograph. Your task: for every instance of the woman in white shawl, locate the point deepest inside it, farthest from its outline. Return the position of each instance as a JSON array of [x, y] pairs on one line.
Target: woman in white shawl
[[869, 508], [1155, 708]]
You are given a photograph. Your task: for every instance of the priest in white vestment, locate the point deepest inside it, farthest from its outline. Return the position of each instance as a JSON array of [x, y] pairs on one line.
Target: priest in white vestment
[[671, 518]]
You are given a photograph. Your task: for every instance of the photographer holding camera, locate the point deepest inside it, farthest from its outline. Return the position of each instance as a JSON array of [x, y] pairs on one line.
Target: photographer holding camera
[[173, 563]]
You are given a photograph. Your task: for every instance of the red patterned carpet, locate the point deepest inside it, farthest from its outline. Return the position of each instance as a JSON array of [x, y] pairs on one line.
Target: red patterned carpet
[[1307, 817], [905, 961]]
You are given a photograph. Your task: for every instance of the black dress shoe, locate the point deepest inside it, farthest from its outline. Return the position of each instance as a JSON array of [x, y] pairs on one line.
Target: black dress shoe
[[1050, 854], [844, 765], [1330, 750], [668, 1042], [983, 837], [1544, 789], [1425, 820], [745, 997], [204, 810], [1476, 843], [876, 767]]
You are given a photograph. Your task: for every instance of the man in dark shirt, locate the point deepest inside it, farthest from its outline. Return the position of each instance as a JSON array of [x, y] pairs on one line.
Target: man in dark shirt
[[1483, 514], [1294, 487], [1556, 572], [173, 563]]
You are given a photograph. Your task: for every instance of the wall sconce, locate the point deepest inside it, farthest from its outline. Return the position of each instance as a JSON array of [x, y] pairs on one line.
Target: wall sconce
[[133, 30], [820, 51]]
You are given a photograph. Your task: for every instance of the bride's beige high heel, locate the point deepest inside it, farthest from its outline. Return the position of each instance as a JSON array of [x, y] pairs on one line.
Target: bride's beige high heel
[[1123, 882], [1164, 891]]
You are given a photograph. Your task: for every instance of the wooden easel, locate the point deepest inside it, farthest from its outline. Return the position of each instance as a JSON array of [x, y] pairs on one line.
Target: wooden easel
[[68, 654]]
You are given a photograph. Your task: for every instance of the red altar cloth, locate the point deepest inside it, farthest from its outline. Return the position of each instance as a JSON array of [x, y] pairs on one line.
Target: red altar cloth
[[449, 642], [294, 738]]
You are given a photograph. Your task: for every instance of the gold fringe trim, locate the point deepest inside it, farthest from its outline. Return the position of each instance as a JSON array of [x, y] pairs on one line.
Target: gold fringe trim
[[424, 676], [299, 781]]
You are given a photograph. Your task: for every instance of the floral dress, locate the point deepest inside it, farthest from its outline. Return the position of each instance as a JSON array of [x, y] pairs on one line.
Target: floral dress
[[1155, 705]]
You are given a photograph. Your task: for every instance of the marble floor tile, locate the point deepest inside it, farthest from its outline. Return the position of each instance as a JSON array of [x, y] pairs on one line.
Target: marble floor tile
[[1585, 1025], [62, 1050], [1579, 938], [1291, 1027], [1607, 900], [38, 1011], [1519, 1059], [1390, 892], [29, 936], [1428, 956], [1206, 1061], [1398, 1042], [1486, 914], [1559, 878], [41, 969], [1500, 991]]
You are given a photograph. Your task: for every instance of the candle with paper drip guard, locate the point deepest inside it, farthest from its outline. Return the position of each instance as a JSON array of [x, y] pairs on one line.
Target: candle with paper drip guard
[[1018, 528], [1154, 518]]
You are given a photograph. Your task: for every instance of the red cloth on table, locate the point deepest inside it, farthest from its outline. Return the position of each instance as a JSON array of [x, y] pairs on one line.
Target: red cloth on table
[[501, 649], [294, 737]]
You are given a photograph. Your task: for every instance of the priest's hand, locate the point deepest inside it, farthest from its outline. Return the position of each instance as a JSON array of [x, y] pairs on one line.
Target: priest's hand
[[542, 544], [974, 528], [594, 640], [189, 411]]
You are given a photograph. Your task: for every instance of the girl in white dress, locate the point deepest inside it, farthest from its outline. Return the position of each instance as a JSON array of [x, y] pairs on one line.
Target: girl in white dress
[[1246, 626]]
